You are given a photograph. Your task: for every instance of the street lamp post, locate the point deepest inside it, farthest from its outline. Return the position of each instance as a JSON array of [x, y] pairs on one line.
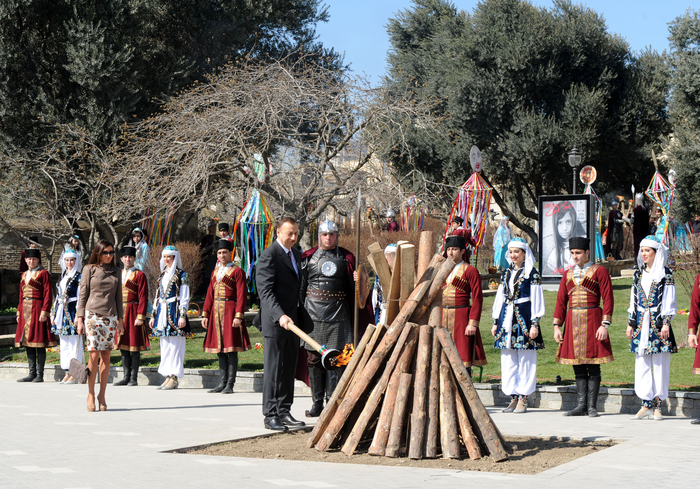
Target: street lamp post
[[574, 162]]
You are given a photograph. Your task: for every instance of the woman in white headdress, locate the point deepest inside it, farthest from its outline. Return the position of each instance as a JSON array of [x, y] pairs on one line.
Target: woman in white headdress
[[170, 320], [138, 241], [517, 310], [64, 308], [652, 307]]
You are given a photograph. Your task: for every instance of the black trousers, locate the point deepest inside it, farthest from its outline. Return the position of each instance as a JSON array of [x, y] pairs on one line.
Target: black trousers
[[280, 364]]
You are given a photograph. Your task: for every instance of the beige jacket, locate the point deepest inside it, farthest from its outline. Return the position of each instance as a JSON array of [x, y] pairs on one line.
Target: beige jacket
[[100, 291]]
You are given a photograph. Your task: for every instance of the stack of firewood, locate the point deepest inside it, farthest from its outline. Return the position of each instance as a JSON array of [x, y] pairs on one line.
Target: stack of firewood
[[406, 389]]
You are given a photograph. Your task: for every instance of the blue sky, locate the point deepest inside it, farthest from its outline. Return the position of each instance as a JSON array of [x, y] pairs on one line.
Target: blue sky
[[358, 27]]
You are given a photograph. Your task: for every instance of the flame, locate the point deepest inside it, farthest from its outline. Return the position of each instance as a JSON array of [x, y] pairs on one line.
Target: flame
[[344, 358]]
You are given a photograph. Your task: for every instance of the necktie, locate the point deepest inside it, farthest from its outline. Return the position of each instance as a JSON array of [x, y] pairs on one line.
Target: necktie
[[291, 258]]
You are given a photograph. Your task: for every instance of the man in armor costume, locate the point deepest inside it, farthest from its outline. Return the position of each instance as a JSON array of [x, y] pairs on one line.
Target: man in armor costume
[[328, 290], [391, 224]]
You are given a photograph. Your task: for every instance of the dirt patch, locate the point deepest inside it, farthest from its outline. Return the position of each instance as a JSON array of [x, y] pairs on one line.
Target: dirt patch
[[528, 455]]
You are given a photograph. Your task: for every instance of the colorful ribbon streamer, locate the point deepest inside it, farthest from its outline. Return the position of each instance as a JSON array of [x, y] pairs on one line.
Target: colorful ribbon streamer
[[412, 214], [472, 204], [254, 231]]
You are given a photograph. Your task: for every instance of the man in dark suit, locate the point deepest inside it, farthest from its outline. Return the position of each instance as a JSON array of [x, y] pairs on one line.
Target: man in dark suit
[[278, 283]]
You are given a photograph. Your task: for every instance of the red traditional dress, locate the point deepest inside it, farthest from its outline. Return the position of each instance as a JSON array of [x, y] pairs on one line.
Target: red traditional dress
[[466, 234], [135, 300], [463, 284], [580, 305], [34, 303], [226, 300], [694, 320]]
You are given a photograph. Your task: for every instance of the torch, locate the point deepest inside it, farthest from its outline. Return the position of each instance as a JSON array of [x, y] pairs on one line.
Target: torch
[[330, 357]]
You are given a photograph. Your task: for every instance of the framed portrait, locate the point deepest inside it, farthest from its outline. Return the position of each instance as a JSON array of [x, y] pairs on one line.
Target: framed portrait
[[562, 217]]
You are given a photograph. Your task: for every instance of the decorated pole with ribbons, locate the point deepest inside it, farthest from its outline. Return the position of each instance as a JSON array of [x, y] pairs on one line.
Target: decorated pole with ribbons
[[159, 226], [661, 192], [588, 175], [472, 202], [254, 231], [412, 214]]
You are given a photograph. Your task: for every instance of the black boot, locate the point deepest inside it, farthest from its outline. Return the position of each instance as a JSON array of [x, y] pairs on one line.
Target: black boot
[[126, 366], [135, 364], [40, 361], [593, 389], [223, 373], [317, 379], [31, 358], [582, 391], [232, 370], [332, 378]]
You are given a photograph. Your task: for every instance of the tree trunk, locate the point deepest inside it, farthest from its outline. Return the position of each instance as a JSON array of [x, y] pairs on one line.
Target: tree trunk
[[399, 418], [420, 393], [448, 416]]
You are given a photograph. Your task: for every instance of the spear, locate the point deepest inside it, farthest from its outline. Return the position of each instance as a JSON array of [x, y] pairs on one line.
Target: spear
[[356, 320]]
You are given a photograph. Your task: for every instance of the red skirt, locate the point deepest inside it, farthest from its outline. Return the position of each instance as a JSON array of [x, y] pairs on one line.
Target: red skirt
[[135, 338], [580, 346], [221, 336], [696, 362]]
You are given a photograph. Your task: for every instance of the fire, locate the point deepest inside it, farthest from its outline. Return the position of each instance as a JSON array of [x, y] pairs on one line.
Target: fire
[[343, 359]]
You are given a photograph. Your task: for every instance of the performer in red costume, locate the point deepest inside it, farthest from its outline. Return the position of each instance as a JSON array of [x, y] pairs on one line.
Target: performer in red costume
[[223, 318], [693, 322], [584, 343], [135, 300], [458, 315], [33, 311]]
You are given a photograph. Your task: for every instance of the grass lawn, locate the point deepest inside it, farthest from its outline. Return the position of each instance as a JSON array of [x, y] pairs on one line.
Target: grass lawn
[[617, 373]]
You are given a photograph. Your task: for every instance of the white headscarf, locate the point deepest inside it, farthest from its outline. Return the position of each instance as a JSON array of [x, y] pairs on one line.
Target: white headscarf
[[169, 272], [71, 253], [658, 268], [529, 257]]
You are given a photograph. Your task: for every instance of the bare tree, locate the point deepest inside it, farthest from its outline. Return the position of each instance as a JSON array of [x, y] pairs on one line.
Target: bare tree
[[279, 125]]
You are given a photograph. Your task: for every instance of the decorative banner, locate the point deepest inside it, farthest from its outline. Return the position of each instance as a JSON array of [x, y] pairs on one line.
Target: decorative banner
[[475, 159], [472, 204], [661, 192], [158, 227], [254, 231], [588, 175], [412, 214]]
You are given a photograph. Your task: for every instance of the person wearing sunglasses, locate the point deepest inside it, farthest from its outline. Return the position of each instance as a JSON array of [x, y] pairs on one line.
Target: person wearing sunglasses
[[100, 315]]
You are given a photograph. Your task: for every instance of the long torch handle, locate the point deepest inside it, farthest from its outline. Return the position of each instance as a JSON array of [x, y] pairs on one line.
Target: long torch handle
[[308, 339]]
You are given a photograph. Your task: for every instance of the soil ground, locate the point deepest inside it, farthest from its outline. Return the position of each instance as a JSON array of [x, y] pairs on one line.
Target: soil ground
[[529, 455]]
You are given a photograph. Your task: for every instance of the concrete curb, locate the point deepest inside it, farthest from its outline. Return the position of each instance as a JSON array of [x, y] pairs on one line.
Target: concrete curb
[[555, 397], [194, 378]]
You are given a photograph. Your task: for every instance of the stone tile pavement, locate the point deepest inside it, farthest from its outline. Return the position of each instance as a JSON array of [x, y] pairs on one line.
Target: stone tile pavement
[[49, 440]]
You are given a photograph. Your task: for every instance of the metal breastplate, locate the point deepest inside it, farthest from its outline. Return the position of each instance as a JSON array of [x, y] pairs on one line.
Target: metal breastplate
[[327, 285]]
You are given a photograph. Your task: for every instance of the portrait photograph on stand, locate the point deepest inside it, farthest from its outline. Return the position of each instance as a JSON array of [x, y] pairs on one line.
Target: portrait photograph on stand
[[562, 217]]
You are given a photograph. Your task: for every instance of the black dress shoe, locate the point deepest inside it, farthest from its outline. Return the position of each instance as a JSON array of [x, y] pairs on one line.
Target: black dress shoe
[[275, 424], [695, 421], [288, 420]]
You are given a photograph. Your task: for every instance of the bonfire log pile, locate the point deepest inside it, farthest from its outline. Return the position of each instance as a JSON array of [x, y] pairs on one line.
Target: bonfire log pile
[[406, 392]]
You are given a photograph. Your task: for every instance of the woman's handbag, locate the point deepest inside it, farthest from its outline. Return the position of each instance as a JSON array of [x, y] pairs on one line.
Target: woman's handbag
[[79, 371]]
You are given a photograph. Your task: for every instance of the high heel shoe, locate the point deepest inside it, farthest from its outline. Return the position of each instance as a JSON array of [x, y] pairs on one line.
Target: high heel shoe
[[657, 415], [102, 403], [643, 413], [91, 407], [167, 381]]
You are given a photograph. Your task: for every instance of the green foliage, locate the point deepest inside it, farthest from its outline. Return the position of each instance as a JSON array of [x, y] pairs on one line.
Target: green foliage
[[525, 84], [684, 108], [100, 64]]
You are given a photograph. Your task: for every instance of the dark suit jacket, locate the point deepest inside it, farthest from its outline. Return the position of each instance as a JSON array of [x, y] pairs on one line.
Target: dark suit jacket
[[279, 291]]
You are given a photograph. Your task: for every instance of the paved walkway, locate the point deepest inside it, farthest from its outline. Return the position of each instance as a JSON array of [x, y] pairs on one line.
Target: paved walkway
[[49, 440]]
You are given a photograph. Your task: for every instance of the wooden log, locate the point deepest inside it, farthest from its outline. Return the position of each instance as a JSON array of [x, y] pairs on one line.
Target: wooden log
[[374, 247], [435, 289], [483, 425], [399, 418], [368, 352], [465, 428], [420, 393], [381, 433], [448, 415], [385, 347], [401, 366], [426, 248], [432, 430], [344, 382], [393, 298], [408, 272], [381, 268]]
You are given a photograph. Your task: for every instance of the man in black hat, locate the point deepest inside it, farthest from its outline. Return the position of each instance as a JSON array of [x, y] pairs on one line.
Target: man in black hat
[[134, 340], [33, 245], [584, 343], [224, 231], [33, 325], [461, 304], [457, 229]]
